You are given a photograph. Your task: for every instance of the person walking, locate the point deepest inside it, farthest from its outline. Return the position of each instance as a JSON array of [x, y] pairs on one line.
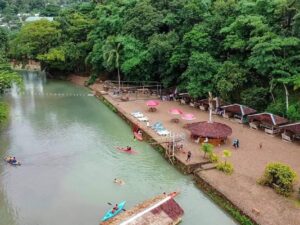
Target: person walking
[[237, 143], [189, 155]]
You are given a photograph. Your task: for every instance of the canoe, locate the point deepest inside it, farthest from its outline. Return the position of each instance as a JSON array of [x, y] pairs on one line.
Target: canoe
[[6, 159], [124, 150], [138, 136], [110, 215]]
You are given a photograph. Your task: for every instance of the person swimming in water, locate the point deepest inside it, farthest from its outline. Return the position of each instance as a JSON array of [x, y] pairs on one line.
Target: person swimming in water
[[128, 148], [119, 181]]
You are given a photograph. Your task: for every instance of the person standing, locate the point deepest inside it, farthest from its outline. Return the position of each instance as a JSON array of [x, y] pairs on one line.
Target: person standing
[[237, 143], [234, 143]]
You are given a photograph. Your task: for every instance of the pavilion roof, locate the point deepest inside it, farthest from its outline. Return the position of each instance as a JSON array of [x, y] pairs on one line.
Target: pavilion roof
[[268, 119], [293, 127], [239, 109], [210, 130]]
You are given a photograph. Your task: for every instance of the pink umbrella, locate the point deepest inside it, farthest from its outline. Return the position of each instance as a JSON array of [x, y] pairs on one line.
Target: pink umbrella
[[175, 111], [188, 117], [152, 103]]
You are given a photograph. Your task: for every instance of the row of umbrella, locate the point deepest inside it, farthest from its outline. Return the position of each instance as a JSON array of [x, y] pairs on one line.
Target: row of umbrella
[[202, 129], [174, 111]]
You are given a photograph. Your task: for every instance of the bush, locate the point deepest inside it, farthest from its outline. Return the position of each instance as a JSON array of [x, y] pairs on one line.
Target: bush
[[92, 79], [225, 167], [213, 158], [4, 112], [280, 177], [207, 148]]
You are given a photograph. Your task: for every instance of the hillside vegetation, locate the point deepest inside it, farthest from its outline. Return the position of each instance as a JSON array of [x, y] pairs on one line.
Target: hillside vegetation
[[245, 51]]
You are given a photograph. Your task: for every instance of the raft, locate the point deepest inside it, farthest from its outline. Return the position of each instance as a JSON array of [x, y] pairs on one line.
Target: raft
[[110, 215]]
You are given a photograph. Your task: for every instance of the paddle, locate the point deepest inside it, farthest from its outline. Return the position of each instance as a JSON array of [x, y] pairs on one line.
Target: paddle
[[112, 204]]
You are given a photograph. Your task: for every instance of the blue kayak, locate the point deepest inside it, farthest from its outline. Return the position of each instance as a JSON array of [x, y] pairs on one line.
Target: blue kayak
[[109, 214]]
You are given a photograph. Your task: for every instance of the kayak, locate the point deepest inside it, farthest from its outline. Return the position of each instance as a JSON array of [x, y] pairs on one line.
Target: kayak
[[17, 163], [110, 215], [126, 151], [138, 136]]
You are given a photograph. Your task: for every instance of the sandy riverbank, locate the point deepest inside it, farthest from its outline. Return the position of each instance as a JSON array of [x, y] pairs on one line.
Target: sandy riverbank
[[249, 161]]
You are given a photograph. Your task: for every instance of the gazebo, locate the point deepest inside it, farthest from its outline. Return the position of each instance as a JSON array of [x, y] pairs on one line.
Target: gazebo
[[290, 131], [238, 112], [268, 121], [212, 132]]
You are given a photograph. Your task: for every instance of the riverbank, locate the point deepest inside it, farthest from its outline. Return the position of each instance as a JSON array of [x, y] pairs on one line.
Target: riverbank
[[261, 204]]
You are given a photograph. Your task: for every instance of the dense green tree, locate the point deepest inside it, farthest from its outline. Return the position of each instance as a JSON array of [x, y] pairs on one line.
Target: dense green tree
[[35, 38], [201, 70], [50, 10]]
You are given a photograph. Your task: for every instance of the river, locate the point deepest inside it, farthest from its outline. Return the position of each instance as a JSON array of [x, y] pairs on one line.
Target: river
[[65, 140]]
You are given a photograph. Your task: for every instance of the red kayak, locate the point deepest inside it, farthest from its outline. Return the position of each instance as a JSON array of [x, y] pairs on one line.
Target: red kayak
[[126, 151], [138, 136]]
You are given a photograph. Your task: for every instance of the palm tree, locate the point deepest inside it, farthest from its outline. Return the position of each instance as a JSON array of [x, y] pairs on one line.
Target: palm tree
[[226, 154], [111, 56], [207, 149]]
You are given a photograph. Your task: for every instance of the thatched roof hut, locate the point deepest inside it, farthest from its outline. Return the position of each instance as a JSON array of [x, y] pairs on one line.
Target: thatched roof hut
[[215, 132], [240, 110], [268, 121], [291, 131], [293, 128]]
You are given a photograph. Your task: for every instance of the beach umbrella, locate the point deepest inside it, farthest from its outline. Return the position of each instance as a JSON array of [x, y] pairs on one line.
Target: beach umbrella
[[188, 117], [175, 112], [152, 104]]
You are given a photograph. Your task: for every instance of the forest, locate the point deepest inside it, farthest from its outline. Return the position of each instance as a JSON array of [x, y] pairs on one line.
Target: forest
[[245, 51]]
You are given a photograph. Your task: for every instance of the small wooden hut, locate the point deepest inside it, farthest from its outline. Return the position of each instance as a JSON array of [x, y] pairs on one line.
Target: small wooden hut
[[268, 121], [290, 131], [211, 132], [238, 112], [216, 102]]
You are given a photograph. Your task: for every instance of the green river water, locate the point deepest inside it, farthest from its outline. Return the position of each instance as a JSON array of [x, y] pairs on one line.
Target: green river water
[[66, 146]]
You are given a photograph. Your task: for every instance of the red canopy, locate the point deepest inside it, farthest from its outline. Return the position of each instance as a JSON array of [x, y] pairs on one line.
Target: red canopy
[[210, 130]]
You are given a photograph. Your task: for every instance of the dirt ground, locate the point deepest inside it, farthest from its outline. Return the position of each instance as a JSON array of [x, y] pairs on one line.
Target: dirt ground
[[262, 203]]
